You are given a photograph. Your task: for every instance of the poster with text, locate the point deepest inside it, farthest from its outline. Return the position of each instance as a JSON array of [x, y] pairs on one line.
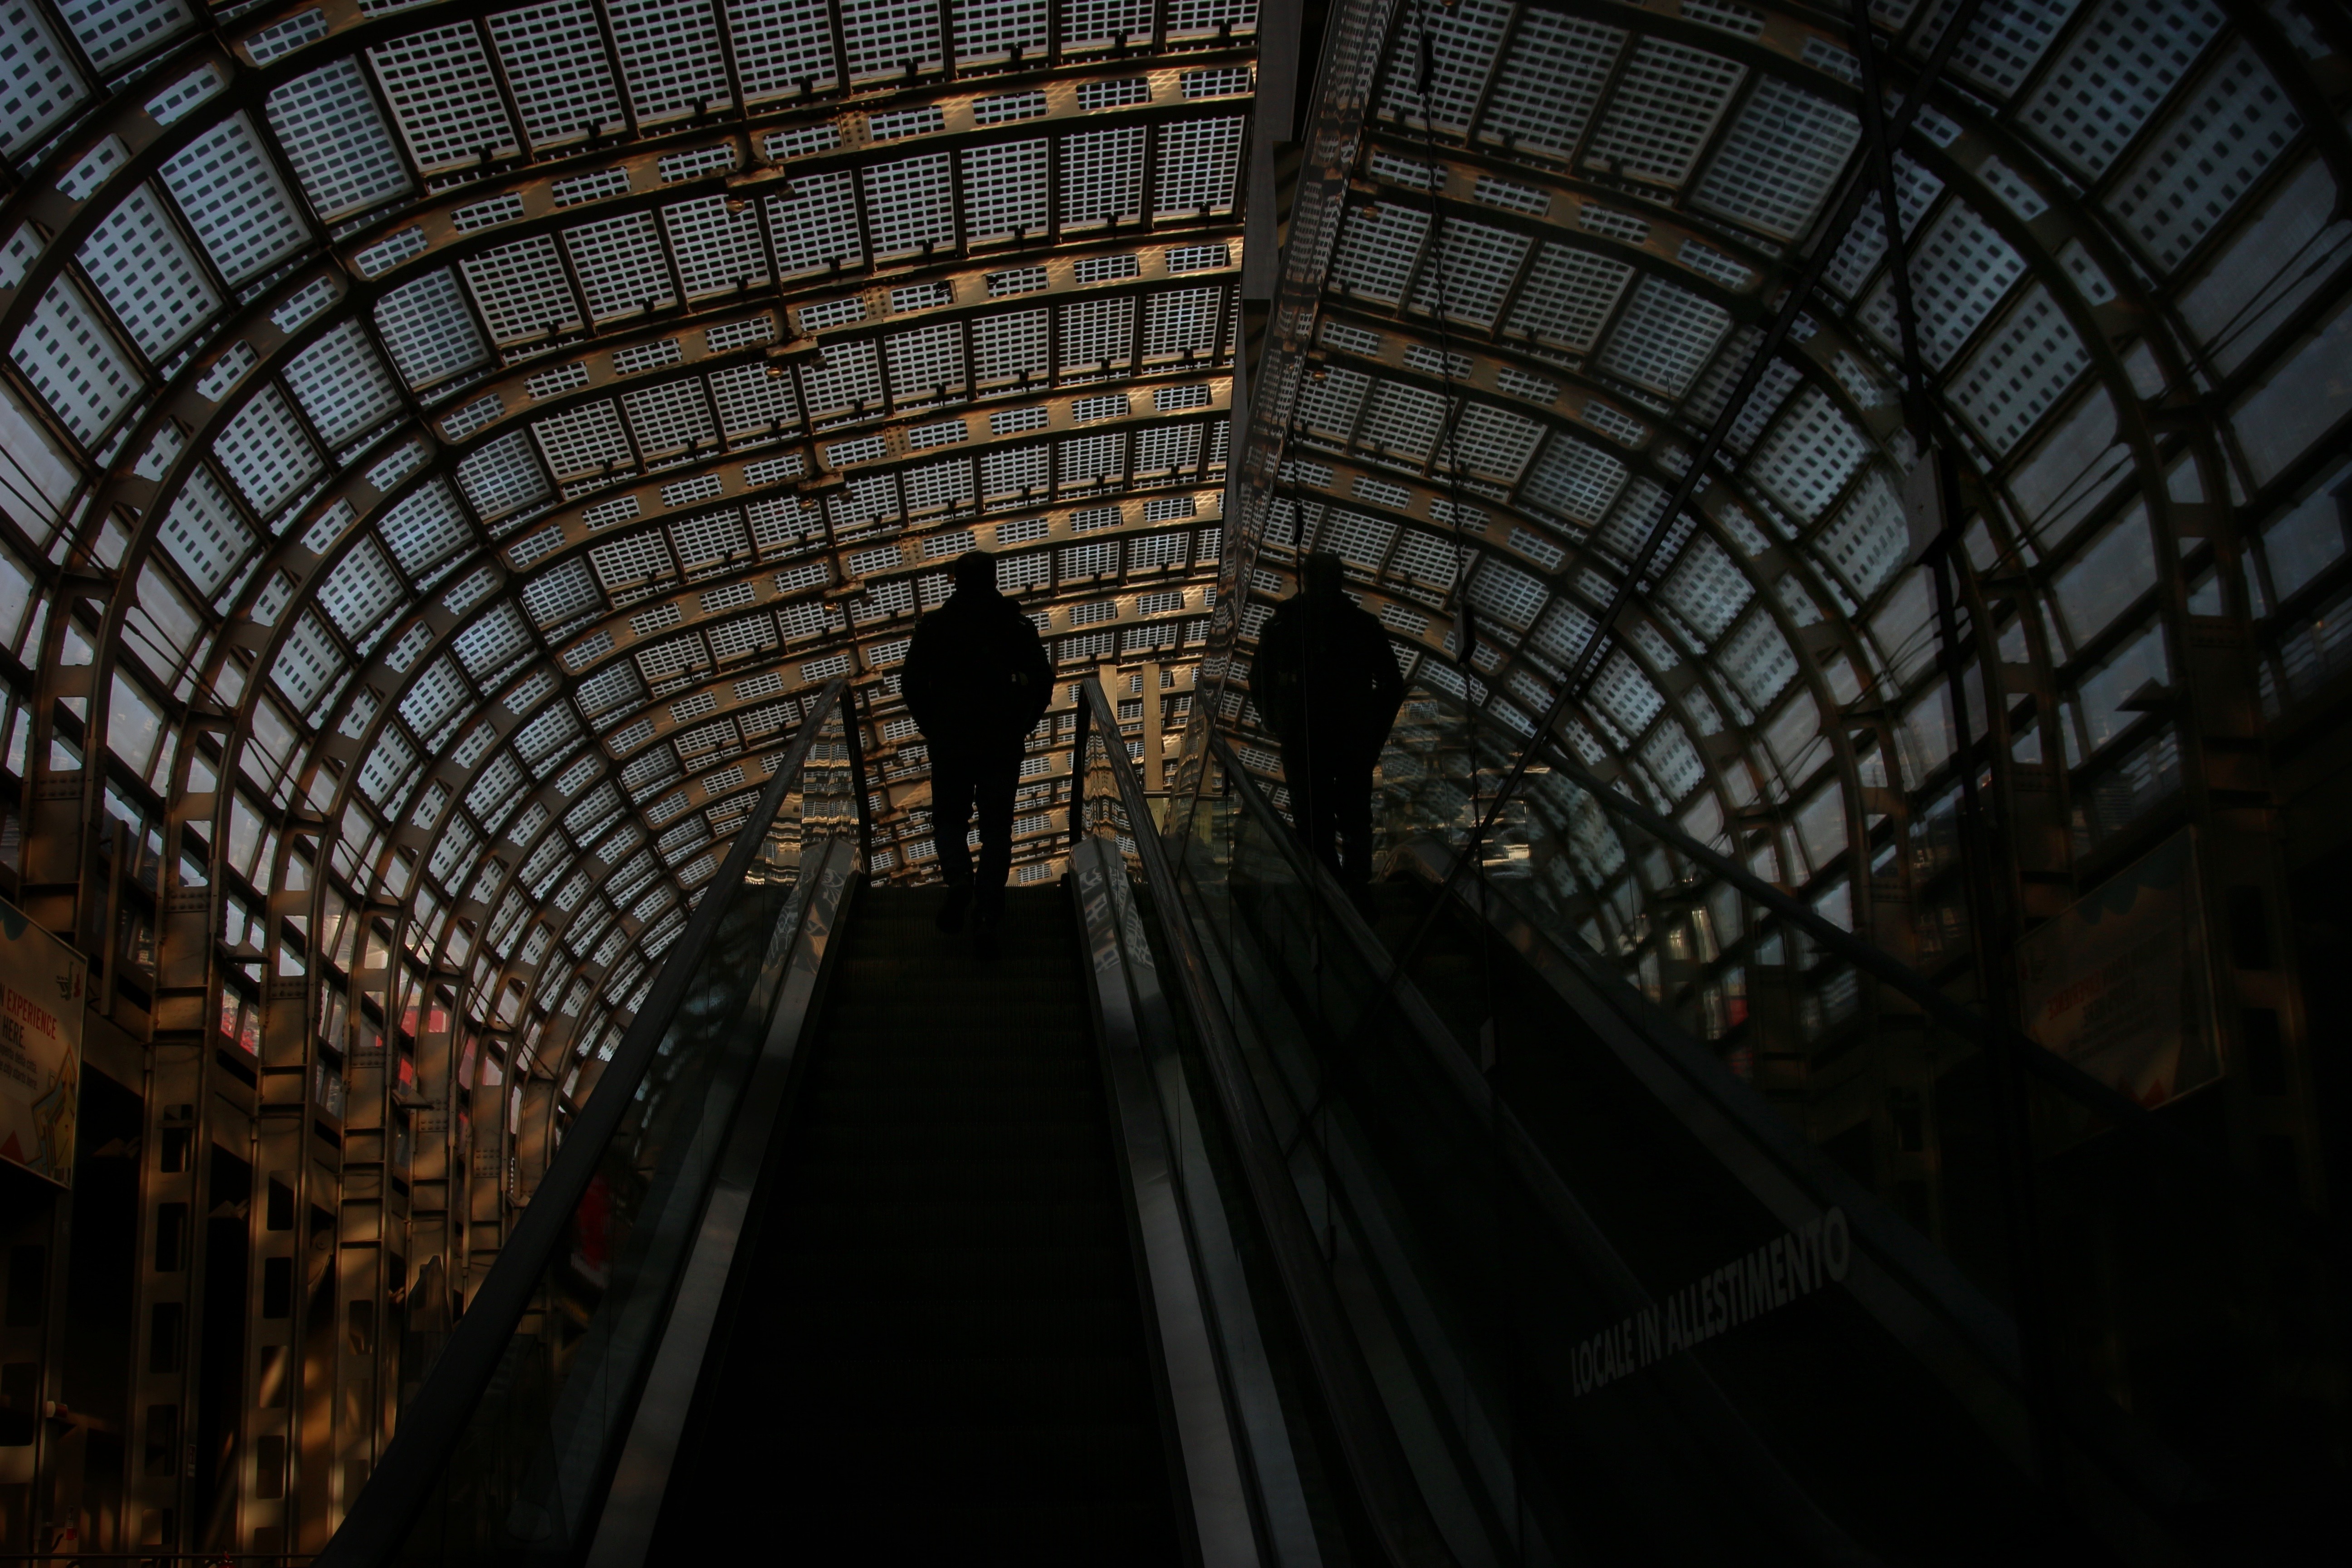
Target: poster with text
[[2117, 984], [41, 996]]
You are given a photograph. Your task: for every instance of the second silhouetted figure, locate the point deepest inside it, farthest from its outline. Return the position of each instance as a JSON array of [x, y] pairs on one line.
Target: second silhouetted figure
[[977, 681], [1326, 682]]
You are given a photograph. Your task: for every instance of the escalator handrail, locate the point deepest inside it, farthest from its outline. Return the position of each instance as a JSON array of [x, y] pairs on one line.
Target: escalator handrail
[[2119, 1110], [2154, 1474], [1383, 1479], [2128, 1115], [1695, 1391], [435, 1418]]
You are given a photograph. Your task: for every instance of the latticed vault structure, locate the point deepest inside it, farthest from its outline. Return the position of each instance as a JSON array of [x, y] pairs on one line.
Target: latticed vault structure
[[444, 451], [448, 448], [1591, 341]]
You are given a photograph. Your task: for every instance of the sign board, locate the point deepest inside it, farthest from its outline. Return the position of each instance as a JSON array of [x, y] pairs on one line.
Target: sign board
[[2117, 984], [43, 987]]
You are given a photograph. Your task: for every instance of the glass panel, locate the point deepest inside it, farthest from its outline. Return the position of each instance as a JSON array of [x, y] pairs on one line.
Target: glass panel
[[2110, 1249], [523, 1482], [1524, 1227], [1347, 1089]]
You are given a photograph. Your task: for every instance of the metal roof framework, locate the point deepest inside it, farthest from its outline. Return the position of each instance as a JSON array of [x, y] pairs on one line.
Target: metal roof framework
[[443, 451], [445, 454], [1538, 361]]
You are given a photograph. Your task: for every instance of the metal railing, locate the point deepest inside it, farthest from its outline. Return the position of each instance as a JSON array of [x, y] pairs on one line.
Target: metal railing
[[1378, 1470], [1772, 1492], [704, 986], [2261, 1269], [2126, 1115]]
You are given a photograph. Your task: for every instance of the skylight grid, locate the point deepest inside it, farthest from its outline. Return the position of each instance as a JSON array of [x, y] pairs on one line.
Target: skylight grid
[[992, 30], [1198, 160], [1568, 295], [1550, 81], [669, 57], [891, 37], [842, 376], [425, 528], [910, 206], [444, 98], [1469, 271], [1780, 160], [1665, 336], [522, 290], [147, 275], [669, 418], [205, 535], [1101, 177], [1103, 22], [1960, 269], [336, 138], [341, 383], [817, 228], [1097, 335], [783, 48], [1457, 45], [1665, 104], [586, 440], [925, 365], [1378, 250], [717, 249], [231, 195], [753, 397], [621, 265], [266, 453], [561, 77], [1011, 349], [1004, 191], [45, 87]]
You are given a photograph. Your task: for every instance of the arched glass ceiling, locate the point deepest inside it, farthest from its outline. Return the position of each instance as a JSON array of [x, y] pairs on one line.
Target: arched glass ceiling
[[448, 446], [1539, 243], [440, 445]]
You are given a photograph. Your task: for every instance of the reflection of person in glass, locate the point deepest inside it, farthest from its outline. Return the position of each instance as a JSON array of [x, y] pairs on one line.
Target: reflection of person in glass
[[977, 681], [1326, 682]]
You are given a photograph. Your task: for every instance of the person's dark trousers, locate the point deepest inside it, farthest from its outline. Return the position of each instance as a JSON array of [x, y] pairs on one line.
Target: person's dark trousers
[[960, 785], [1332, 800]]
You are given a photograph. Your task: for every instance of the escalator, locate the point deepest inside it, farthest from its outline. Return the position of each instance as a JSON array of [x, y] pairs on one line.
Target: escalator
[[946, 1254], [1229, 1219], [1622, 1324], [1644, 1301], [865, 1247], [1827, 1401], [1645, 1289]]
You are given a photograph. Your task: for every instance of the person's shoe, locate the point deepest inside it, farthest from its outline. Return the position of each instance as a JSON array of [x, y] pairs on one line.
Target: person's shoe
[[984, 944], [950, 916]]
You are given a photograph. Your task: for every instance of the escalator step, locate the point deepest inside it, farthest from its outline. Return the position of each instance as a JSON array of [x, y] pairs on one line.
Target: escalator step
[[941, 1355], [960, 1143], [818, 1224], [969, 1391], [870, 1172]]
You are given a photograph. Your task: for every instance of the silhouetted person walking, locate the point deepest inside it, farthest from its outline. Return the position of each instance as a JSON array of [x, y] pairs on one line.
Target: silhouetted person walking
[[1327, 683], [977, 680]]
